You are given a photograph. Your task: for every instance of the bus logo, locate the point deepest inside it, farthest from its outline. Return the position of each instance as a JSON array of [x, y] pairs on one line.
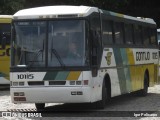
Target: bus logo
[[108, 58]]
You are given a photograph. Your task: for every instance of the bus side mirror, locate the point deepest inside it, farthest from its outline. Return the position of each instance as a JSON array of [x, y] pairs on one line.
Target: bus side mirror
[[95, 38], [3, 42], [159, 48]]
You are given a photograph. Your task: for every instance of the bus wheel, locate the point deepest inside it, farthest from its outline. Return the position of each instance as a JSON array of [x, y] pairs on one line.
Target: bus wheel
[[144, 91], [101, 104], [40, 106]]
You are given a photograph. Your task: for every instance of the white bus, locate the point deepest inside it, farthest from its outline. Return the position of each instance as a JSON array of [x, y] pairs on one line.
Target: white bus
[[158, 35], [113, 54]]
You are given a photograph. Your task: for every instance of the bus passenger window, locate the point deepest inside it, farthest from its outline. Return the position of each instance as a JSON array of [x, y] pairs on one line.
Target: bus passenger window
[[107, 36], [138, 34], [146, 38], [129, 34], [153, 37], [118, 29]]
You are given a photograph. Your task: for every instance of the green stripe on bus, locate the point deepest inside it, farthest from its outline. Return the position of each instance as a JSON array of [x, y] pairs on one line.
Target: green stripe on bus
[[120, 71], [50, 76], [62, 75], [56, 75], [126, 69], [122, 80], [124, 56]]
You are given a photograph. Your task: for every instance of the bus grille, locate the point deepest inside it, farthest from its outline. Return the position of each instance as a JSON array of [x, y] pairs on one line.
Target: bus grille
[[57, 82], [66, 16], [36, 83]]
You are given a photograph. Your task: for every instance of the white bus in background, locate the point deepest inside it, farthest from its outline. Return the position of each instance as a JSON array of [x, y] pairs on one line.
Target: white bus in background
[[114, 54], [158, 35]]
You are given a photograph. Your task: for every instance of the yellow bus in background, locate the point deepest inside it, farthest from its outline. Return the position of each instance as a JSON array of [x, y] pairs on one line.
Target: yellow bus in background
[[5, 37]]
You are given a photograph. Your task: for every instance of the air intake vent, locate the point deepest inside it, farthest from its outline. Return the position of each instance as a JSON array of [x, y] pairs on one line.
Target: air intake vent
[[57, 82], [36, 83], [68, 16]]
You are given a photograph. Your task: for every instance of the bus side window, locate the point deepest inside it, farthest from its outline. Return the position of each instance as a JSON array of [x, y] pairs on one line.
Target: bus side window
[[3, 41], [107, 34], [153, 37], [146, 37], [138, 34], [118, 33], [129, 34]]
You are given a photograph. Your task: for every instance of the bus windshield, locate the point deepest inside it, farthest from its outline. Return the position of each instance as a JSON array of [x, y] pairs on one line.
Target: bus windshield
[[53, 43]]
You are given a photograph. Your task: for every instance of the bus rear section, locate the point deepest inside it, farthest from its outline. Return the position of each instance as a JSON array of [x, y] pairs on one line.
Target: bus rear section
[[5, 36]]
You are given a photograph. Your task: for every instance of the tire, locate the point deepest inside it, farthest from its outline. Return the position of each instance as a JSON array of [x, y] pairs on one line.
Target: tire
[[102, 103], [144, 91], [40, 106]]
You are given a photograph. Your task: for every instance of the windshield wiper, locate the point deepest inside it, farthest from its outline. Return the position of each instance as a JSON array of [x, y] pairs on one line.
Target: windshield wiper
[[37, 53], [58, 57]]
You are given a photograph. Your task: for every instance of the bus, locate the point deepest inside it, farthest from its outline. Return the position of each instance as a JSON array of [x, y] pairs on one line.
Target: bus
[[5, 37], [114, 54]]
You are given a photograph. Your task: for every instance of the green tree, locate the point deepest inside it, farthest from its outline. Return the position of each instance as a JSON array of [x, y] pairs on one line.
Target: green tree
[[11, 6], [114, 5]]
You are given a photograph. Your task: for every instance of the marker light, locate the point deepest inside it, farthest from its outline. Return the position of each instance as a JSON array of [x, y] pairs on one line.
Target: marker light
[[72, 82], [78, 83], [21, 83], [85, 82], [15, 83]]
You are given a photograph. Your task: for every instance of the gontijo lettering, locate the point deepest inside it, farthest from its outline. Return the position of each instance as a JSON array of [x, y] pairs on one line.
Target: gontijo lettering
[[142, 56]]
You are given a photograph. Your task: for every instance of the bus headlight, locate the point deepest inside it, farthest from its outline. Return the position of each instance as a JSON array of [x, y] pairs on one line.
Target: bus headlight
[[72, 82], [78, 83], [21, 83], [15, 83]]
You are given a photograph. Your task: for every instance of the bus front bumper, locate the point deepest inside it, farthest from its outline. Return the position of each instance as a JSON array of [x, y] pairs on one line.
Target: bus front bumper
[[51, 95]]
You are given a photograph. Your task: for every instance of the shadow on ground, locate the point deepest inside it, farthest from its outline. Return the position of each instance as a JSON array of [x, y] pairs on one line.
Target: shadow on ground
[[121, 106]]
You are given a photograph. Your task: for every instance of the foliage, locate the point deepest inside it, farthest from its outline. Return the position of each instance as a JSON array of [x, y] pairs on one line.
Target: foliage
[[105, 4], [11, 6]]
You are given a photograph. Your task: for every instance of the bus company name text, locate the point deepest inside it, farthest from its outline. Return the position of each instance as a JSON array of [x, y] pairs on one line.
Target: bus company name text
[[141, 56]]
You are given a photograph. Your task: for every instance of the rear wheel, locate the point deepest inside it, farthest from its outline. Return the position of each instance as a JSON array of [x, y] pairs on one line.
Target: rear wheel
[[40, 106], [144, 91]]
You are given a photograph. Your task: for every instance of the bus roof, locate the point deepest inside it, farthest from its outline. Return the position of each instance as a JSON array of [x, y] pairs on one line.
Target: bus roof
[[6, 16], [54, 11], [140, 19], [6, 19], [70, 11]]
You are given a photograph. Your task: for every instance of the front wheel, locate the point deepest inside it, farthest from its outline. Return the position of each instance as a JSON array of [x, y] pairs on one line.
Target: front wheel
[[40, 106], [102, 103]]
